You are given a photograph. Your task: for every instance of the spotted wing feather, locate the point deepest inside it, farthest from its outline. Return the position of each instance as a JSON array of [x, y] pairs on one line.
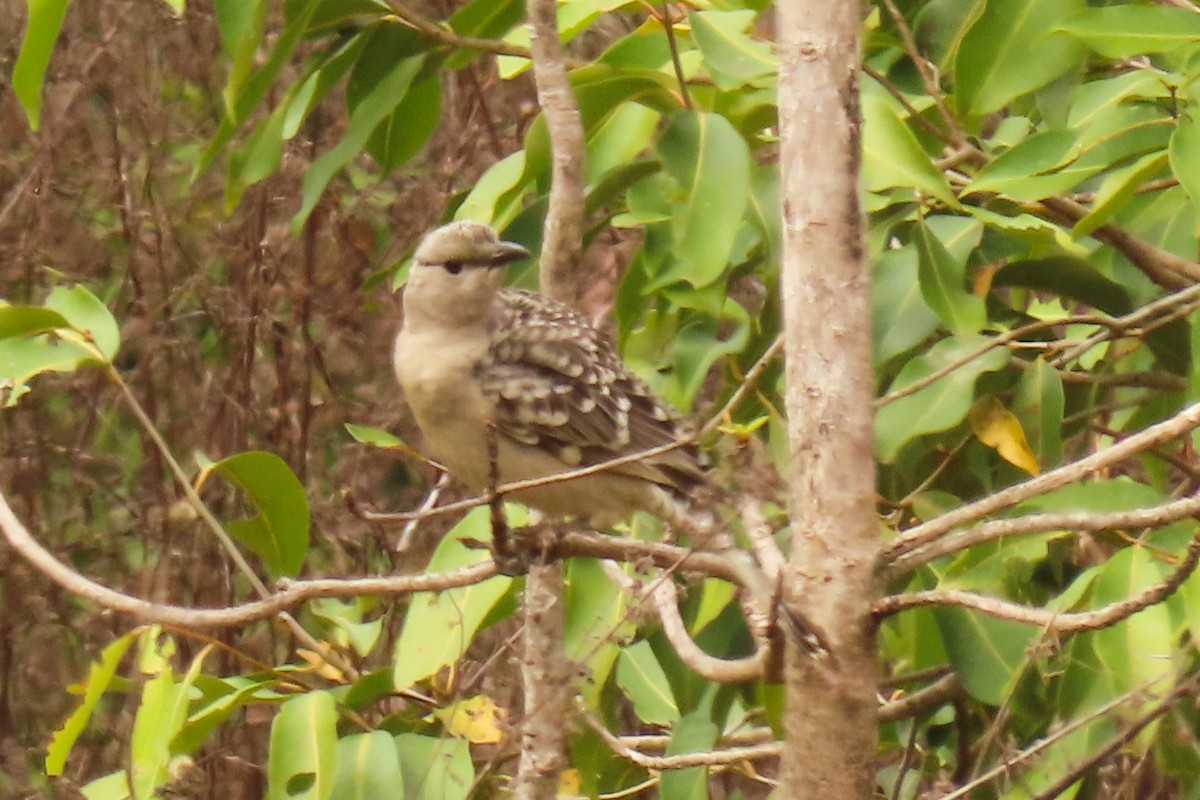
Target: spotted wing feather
[[556, 383]]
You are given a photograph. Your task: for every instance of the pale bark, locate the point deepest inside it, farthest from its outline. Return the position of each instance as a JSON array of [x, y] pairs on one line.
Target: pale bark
[[831, 720]]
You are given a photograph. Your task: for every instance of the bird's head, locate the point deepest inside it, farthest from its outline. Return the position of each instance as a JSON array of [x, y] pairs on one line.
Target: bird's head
[[454, 276]]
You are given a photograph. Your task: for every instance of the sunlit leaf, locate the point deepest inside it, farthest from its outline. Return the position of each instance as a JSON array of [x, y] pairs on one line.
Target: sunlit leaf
[[477, 719], [100, 675], [435, 768], [278, 533], [368, 768], [644, 682], [303, 761], [1129, 30], [29, 73]]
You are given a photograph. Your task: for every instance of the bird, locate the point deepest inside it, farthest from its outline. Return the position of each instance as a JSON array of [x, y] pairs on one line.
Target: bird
[[509, 385], [472, 354]]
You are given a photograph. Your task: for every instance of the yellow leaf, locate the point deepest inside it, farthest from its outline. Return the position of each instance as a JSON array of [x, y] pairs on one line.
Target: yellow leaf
[[318, 664], [569, 782], [999, 428], [477, 719]]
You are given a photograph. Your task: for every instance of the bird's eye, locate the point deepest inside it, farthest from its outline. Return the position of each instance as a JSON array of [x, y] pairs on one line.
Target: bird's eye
[[453, 267]]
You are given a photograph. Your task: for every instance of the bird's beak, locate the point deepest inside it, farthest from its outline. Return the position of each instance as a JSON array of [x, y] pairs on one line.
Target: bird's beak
[[507, 252]]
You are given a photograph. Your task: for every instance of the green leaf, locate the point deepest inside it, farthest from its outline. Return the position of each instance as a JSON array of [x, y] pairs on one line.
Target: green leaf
[[943, 280], [29, 73], [278, 533], [900, 317], [376, 437], [1117, 189], [219, 699], [303, 762], [366, 117], [710, 164], [113, 786], [1020, 171], [435, 769], [1013, 49], [160, 717], [1184, 151], [940, 405], [987, 653], [17, 321], [1122, 31], [1039, 404], [642, 679], [892, 156], [100, 675], [731, 56], [402, 134], [440, 625], [596, 615], [368, 768], [89, 317], [345, 619], [617, 142], [695, 733]]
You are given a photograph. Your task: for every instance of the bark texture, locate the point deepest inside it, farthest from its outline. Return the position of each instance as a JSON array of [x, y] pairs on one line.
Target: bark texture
[[831, 718]]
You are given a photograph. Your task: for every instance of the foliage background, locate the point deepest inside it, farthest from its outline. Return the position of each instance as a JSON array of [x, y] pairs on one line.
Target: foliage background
[[1030, 169]]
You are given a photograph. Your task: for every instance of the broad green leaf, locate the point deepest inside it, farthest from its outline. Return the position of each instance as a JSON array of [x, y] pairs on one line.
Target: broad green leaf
[[1184, 151], [1039, 405], [435, 768], [1020, 171], [439, 626], [486, 19], [100, 675], [1067, 277], [368, 768], [892, 156], [900, 317], [617, 141], [710, 164], [1121, 31], [403, 133], [1013, 49], [940, 405], [257, 159], [732, 57], [596, 615], [715, 596], [987, 654], [303, 762], [366, 117], [90, 317], [943, 285], [326, 73], [485, 200], [16, 321], [1039, 233], [29, 73], [278, 533], [1116, 190], [113, 786], [695, 733], [642, 679]]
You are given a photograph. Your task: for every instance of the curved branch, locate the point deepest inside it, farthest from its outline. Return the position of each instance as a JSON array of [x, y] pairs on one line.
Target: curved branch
[[1052, 621], [292, 594], [711, 668], [920, 535]]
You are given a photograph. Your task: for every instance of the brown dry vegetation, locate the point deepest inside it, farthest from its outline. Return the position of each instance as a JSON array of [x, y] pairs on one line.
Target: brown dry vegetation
[[237, 335]]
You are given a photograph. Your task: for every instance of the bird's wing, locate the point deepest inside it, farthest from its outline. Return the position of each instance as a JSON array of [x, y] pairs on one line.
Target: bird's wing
[[554, 382]]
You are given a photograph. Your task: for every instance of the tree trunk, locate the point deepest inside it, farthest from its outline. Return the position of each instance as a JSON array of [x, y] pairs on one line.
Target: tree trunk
[[831, 720]]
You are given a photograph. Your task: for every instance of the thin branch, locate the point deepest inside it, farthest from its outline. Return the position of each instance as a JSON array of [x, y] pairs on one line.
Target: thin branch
[[446, 35], [1081, 521], [748, 384], [669, 28], [1053, 621], [920, 535], [710, 758], [944, 690], [925, 70], [1005, 766]]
